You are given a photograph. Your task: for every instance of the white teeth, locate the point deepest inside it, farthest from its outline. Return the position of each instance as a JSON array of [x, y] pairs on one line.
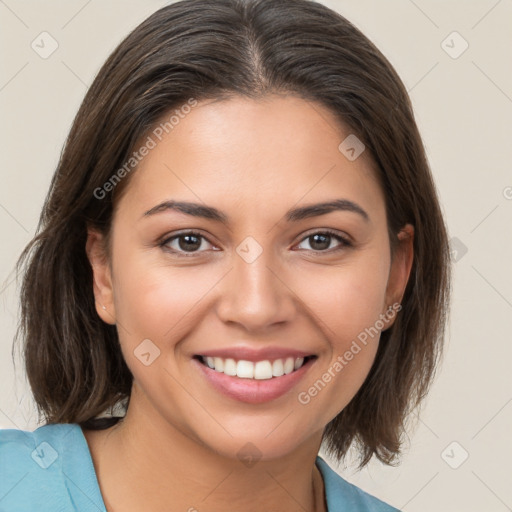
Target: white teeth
[[298, 363], [219, 364], [229, 367], [261, 370], [288, 365], [277, 368], [245, 369]]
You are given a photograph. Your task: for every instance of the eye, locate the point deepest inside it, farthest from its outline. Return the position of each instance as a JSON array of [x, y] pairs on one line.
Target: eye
[[320, 241], [187, 242], [190, 242]]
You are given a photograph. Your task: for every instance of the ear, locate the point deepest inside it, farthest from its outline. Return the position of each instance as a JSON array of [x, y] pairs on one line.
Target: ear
[[400, 271], [95, 248]]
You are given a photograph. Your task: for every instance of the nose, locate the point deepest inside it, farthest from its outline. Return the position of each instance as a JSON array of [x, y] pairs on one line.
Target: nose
[[255, 293]]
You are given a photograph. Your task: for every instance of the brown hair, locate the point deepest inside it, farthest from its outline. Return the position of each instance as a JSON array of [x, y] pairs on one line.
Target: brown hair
[[214, 50]]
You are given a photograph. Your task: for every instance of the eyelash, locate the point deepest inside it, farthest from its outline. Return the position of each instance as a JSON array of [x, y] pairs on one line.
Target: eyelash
[[345, 243]]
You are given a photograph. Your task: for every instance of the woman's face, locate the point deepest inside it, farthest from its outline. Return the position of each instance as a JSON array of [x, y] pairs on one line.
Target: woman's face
[[261, 279]]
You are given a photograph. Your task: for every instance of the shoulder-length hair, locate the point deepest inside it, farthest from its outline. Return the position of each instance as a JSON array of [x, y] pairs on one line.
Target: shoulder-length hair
[[214, 50]]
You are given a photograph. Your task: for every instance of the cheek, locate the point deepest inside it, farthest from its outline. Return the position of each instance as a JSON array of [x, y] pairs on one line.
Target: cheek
[[158, 301], [345, 298], [347, 302]]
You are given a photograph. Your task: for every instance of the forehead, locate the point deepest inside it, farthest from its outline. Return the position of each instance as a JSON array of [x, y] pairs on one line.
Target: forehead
[[257, 154]]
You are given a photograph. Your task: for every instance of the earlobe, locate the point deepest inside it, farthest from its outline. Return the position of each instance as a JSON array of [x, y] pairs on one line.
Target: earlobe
[[102, 278], [400, 268]]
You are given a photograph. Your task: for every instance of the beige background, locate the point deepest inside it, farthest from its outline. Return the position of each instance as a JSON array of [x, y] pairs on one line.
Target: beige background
[[462, 106]]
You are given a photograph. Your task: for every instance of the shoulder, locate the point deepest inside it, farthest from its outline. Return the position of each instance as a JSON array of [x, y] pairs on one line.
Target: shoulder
[[14, 439], [39, 469], [342, 495], [21, 449]]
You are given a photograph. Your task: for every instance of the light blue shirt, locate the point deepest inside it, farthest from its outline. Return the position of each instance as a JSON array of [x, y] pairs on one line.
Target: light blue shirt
[[51, 470]]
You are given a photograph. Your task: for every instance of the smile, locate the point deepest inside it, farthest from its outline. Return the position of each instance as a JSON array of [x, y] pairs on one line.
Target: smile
[[252, 382], [258, 370]]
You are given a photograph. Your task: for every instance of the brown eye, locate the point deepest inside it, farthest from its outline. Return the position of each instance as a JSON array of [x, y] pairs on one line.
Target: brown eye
[[321, 241], [188, 242]]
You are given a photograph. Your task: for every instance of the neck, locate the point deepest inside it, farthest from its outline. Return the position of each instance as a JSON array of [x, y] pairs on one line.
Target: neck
[[146, 463]]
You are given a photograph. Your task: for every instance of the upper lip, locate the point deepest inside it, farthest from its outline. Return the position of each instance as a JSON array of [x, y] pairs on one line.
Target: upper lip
[[252, 354]]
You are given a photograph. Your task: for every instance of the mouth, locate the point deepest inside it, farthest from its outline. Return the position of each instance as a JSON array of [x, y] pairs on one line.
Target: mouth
[[257, 370], [253, 382]]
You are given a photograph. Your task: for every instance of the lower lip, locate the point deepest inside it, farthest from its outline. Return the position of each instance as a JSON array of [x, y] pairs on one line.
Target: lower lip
[[253, 391]]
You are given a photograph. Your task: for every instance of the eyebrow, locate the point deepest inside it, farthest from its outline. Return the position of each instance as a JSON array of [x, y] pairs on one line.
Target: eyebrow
[[293, 215]]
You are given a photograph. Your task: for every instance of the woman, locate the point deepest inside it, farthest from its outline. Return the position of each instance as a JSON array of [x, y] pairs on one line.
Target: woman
[[242, 245]]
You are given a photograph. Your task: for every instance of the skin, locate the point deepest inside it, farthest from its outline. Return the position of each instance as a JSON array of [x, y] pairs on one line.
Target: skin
[[253, 160]]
